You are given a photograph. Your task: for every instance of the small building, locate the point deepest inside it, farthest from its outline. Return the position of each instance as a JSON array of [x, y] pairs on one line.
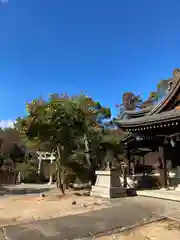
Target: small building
[[154, 132]]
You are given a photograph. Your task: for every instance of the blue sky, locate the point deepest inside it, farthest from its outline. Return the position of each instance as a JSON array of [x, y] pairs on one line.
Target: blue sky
[[101, 47]]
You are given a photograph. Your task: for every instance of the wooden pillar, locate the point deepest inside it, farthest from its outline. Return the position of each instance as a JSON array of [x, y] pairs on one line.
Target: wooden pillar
[[127, 168], [132, 166], [128, 157], [129, 164], [143, 160], [163, 169]]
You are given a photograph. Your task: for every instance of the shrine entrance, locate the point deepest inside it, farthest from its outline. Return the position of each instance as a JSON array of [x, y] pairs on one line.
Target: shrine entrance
[[46, 156]]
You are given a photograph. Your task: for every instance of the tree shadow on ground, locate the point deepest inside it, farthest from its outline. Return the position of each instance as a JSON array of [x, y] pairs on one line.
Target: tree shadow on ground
[[6, 190]]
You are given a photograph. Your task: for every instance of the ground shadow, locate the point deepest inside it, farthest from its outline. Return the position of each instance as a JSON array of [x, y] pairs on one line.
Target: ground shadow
[[131, 192], [6, 190], [148, 182]]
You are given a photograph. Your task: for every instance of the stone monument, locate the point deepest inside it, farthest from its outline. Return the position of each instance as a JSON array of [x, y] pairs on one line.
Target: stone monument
[[108, 183]]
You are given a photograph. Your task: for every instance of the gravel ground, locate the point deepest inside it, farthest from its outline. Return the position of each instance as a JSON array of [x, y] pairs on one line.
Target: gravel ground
[[122, 213], [118, 213]]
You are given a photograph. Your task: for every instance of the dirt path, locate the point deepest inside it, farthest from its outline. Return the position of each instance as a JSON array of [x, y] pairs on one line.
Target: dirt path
[[17, 209], [125, 212], [164, 230]]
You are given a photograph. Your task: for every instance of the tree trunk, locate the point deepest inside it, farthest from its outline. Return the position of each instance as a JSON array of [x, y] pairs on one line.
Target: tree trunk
[[60, 177], [88, 156], [93, 175], [87, 150]]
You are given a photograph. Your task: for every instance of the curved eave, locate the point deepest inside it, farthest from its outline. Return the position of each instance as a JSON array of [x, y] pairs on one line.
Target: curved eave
[[174, 90], [161, 118]]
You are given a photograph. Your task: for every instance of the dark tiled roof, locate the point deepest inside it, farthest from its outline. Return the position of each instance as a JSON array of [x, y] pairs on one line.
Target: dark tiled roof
[[151, 119], [139, 112]]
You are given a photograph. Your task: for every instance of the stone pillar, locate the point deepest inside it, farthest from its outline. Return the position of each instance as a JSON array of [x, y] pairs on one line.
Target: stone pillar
[[108, 185], [51, 172], [39, 165]]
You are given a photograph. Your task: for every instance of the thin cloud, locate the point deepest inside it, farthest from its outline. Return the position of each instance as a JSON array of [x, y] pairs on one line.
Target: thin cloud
[[7, 123], [3, 1]]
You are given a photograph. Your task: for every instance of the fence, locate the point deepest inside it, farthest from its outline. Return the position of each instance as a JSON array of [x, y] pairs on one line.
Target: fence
[[8, 177]]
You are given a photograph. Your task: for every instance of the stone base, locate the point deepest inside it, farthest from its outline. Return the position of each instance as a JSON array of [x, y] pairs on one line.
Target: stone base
[[108, 185], [106, 192], [178, 187], [50, 183]]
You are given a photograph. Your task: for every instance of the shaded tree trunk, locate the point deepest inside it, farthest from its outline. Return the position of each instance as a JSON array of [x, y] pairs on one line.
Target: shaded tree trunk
[[1, 160], [87, 150], [60, 177], [88, 156]]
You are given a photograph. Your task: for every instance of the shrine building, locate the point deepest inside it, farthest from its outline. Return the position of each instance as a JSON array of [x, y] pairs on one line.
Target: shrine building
[[154, 133]]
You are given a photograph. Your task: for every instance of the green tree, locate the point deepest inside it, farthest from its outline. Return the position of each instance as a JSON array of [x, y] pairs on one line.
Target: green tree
[[89, 129], [152, 99], [73, 128], [52, 123], [12, 145], [162, 88], [156, 96]]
